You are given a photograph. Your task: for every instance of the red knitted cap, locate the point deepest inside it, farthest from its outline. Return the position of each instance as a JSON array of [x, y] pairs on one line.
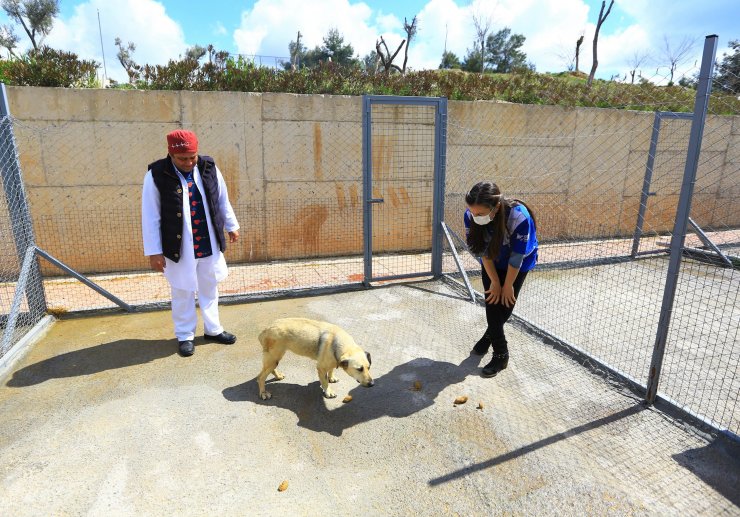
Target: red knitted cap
[[182, 141]]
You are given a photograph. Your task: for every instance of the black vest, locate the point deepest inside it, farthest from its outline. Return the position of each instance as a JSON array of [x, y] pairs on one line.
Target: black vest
[[170, 194]]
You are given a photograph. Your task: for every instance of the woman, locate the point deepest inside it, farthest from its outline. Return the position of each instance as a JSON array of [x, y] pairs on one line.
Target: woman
[[502, 232]]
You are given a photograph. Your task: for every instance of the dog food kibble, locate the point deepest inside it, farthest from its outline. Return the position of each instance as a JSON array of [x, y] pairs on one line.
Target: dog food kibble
[[346, 399], [461, 400], [480, 405], [283, 486]]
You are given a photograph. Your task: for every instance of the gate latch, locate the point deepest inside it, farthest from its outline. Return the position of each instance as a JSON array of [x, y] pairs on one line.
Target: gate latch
[[376, 200]]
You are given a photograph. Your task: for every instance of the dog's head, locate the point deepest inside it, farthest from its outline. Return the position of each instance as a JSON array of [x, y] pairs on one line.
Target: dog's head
[[357, 366]]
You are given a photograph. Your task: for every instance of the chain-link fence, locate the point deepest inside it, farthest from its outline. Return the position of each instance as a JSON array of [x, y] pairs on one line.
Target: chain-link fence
[[21, 292], [605, 186]]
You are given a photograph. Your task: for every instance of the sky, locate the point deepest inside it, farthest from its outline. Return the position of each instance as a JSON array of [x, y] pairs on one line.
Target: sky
[[164, 29]]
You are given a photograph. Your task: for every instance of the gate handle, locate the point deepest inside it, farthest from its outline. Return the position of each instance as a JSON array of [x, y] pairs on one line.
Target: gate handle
[[376, 200]]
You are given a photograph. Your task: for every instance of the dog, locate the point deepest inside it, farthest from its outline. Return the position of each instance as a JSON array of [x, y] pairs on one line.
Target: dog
[[330, 346]]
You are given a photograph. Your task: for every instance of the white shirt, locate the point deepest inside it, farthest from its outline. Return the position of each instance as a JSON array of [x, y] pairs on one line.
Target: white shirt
[[181, 275]]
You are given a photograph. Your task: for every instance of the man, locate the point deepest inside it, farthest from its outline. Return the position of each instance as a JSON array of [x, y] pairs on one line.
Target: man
[[185, 210]]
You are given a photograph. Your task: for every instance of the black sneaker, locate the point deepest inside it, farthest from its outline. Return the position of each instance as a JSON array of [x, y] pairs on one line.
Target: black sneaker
[[186, 348], [498, 363], [482, 346], [225, 338]]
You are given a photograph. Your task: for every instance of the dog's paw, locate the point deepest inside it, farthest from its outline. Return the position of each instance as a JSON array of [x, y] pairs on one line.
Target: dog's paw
[[333, 379], [265, 395], [279, 376], [328, 394]]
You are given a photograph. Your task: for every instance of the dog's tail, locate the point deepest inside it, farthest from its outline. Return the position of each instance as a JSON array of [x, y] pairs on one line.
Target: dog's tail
[[263, 339]]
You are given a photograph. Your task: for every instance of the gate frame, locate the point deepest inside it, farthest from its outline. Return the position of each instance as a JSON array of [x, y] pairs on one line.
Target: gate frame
[[440, 163]]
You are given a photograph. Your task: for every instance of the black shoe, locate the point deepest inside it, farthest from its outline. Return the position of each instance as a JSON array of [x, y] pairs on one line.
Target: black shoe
[[225, 338], [482, 346], [186, 348], [498, 362]]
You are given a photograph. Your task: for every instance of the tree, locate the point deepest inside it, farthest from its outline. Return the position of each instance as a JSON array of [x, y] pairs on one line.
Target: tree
[[385, 56], [728, 71], [449, 61], [411, 30], [371, 61], [35, 16], [8, 39], [676, 54], [602, 18], [635, 61], [502, 51], [335, 49], [481, 30], [195, 52], [579, 42], [297, 50], [124, 56], [473, 61]]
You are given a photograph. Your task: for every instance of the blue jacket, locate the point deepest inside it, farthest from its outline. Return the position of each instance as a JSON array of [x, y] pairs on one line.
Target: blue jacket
[[521, 237]]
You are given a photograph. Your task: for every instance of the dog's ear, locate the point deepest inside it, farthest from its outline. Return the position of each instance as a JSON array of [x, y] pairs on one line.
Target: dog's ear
[[369, 361], [344, 364]]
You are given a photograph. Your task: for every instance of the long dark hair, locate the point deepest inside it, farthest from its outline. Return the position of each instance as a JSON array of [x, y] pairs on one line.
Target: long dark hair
[[488, 194]]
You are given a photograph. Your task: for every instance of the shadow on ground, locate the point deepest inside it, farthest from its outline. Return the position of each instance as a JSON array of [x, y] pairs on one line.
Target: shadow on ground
[[391, 396], [92, 360], [717, 464]]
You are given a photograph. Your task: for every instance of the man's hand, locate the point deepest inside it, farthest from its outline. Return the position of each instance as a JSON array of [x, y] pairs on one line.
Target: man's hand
[[234, 236], [157, 262]]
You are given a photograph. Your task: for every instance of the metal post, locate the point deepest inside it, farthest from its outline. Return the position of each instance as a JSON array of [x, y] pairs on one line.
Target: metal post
[[459, 264], [440, 162], [367, 191], [646, 185], [20, 214], [709, 244], [92, 285], [682, 215]]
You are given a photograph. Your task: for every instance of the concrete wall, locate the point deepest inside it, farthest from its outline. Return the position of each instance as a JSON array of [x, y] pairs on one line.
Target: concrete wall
[[293, 166]]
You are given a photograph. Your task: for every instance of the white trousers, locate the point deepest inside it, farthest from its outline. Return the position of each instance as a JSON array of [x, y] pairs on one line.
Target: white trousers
[[184, 315]]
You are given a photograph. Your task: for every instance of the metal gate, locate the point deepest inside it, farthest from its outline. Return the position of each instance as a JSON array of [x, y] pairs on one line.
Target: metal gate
[[404, 154]]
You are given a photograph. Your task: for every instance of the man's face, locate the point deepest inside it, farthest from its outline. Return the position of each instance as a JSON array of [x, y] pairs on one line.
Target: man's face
[[185, 161]]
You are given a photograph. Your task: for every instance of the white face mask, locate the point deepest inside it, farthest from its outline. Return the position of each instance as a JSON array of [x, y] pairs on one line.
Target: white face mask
[[482, 219]]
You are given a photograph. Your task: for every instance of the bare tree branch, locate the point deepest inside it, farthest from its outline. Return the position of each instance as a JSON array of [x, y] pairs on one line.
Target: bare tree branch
[[676, 54], [602, 18], [411, 29], [481, 30]]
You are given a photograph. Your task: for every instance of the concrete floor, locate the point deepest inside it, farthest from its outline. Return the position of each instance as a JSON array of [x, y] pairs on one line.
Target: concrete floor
[[103, 417]]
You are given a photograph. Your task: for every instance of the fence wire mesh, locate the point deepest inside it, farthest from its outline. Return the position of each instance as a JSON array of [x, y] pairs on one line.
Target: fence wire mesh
[[402, 143], [294, 173], [600, 280], [299, 205], [21, 295]]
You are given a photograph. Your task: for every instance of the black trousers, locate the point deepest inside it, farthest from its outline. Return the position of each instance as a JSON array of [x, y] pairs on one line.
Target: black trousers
[[497, 314]]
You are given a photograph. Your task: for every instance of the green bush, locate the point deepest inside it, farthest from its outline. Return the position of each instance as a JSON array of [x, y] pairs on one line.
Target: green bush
[[50, 67], [56, 68]]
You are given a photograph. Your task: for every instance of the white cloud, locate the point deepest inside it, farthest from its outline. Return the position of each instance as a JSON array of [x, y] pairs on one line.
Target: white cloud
[[270, 25], [546, 24], [158, 37], [219, 29]]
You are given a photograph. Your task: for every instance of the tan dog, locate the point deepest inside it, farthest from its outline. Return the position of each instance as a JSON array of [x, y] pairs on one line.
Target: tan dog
[[328, 344]]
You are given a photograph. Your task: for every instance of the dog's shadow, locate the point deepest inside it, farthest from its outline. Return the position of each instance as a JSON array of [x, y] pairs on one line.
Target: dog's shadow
[[394, 394]]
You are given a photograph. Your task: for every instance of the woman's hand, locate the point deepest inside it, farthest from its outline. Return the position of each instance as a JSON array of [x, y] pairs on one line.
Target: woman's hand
[[507, 295], [493, 294]]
